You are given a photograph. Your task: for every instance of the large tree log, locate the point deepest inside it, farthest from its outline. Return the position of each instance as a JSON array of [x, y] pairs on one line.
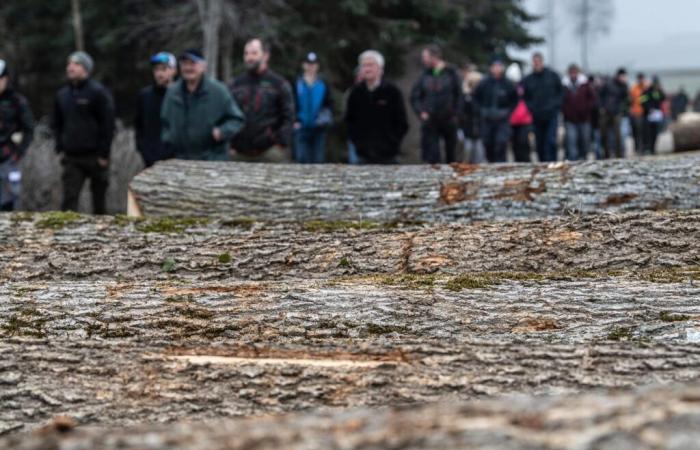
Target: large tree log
[[686, 134], [647, 419], [415, 193], [60, 247], [114, 354], [122, 382], [569, 310]]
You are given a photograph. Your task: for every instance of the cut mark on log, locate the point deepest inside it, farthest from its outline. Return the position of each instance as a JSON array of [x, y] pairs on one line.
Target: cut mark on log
[[463, 169], [245, 290], [533, 325], [619, 199], [520, 190], [200, 360], [456, 192]]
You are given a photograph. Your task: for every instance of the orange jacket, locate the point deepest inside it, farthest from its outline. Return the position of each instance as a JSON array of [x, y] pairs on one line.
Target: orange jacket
[[636, 93]]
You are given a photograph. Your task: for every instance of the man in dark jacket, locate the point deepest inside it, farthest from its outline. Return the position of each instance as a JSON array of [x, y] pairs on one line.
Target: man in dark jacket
[[16, 133], [199, 117], [375, 114], [652, 102], [580, 100], [496, 98], [83, 123], [543, 93], [435, 100], [267, 101], [148, 127], [614, 102]]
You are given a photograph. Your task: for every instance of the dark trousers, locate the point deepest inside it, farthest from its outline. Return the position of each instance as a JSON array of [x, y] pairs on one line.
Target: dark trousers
[[639, 133], [495, 135], [546, 139], [521, 143], [76, 169], [611, 133], [432, 132], [652, 130]]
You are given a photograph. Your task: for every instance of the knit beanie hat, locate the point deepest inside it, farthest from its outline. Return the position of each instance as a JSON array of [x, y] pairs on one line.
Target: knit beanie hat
[[83, 59]]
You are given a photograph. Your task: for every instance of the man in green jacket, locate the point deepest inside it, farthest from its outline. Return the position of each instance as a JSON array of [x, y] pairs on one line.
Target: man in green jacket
[[199, 115]]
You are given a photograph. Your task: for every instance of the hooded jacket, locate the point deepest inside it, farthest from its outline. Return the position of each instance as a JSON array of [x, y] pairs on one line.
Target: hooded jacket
[[580, 99]]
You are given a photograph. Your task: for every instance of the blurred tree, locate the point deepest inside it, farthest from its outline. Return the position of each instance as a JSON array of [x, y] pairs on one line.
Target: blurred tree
[[592, 19], [122, 34]]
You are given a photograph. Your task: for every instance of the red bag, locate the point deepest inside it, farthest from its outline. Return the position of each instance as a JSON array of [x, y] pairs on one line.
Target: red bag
[[521, 116]]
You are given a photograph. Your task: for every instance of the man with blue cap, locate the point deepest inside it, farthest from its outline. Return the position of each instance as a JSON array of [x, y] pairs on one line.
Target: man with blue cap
[[148, 125]]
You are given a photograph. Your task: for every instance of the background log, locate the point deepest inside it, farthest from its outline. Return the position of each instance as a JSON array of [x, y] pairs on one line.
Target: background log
[[686, 134], [648, 419], [415, 193]]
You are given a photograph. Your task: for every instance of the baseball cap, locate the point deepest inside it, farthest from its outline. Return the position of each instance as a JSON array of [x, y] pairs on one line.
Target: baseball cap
[[193, 55], [165, 58]]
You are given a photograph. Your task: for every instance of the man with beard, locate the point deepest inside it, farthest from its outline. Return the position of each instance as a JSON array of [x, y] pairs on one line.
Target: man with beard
[[267, 101]]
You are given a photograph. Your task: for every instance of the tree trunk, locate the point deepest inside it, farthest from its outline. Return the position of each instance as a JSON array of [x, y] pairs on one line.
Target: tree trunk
[[416, 193], [210, 12], [78, 25], [56, 247], [686, 136]]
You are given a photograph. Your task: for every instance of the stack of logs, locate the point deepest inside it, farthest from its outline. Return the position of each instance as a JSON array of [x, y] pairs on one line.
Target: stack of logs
[[305, 307]]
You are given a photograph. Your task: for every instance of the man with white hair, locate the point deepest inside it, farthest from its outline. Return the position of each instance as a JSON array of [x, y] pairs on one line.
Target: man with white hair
[[375, 113]]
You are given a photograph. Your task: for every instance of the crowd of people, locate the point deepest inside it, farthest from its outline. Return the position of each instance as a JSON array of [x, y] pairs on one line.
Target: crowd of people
[[261, 117]]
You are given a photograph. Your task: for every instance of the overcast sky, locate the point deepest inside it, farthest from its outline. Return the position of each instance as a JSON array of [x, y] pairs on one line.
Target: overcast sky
[[646, 34]]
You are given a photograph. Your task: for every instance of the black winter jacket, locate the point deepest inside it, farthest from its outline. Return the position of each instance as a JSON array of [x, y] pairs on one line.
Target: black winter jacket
[[83, 119], [15, 117], [544, 94], [268, 104], [377, 121], [496, 99], [149, 126], [437, 94]]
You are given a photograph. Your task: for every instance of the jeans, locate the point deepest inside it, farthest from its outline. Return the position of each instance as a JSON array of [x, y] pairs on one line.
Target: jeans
[[353, 157], [546, 139], [474, 151], [639, 132], [578, 140], [432, 132], [10, 185], [76, 169], [495, 135], [310, 145]]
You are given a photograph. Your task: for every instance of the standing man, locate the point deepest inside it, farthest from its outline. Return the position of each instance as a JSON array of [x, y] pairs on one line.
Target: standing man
[[496, 98], [614, 101], [314, 107], [435, 100], [16, 133], [580, 100], [543, 93], [149, 142], [83, 123], [637, 112], [268, 104], [199, 117], [652, 102], [375, 113]]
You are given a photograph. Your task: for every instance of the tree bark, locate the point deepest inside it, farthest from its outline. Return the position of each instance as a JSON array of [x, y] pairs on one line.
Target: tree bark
[[645, 419], [78, 25], [210, 13], [43, 247], [416, 193]]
